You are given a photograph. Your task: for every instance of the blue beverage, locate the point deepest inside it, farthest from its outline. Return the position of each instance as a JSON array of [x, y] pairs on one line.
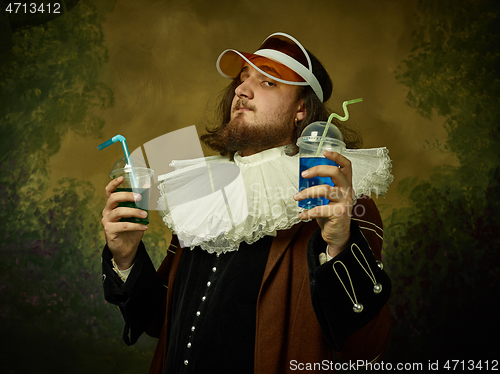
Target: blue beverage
[[307, 163]]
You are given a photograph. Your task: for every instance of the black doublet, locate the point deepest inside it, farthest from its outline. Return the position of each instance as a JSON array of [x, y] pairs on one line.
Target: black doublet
[[214, 310]]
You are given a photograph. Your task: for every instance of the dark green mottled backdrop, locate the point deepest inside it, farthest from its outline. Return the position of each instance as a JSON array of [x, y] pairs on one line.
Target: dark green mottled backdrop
[[428, 74]]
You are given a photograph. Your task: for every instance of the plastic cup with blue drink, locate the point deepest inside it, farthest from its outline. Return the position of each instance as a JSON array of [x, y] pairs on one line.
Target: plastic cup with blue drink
[[317, 138]]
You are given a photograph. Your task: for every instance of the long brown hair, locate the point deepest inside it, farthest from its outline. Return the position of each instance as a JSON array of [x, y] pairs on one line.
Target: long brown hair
[[221, 117]]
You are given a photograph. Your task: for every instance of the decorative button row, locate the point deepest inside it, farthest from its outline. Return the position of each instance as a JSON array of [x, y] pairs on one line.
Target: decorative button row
[[198, 313]]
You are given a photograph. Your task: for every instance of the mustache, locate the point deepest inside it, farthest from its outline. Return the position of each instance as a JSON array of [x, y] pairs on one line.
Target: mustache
[[242, 103]]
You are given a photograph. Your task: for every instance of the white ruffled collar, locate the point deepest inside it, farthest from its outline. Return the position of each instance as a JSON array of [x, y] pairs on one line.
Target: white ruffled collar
[[217, 203], [259, 158]]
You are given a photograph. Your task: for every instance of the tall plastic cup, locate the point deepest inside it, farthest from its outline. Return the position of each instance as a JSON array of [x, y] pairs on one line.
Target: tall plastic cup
[[311, 145], [140, 185]]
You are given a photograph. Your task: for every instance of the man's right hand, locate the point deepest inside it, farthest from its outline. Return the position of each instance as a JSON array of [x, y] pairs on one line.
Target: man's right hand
[[123, 238]]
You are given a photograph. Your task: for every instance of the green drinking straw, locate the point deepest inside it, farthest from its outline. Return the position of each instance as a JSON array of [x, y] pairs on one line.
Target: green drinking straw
[[328, 123], [123, 142]]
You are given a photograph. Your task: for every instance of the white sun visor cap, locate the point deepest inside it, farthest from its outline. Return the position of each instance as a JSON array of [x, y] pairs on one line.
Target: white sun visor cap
[[278, 47]]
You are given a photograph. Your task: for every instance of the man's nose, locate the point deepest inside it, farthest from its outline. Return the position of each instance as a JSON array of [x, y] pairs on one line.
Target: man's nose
[[245, 89]]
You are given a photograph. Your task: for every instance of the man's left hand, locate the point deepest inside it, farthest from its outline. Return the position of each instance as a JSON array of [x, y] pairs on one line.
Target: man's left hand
[[334, 219]]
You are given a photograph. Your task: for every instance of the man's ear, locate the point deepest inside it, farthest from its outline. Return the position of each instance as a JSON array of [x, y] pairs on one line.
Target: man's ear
[[301, 112]]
